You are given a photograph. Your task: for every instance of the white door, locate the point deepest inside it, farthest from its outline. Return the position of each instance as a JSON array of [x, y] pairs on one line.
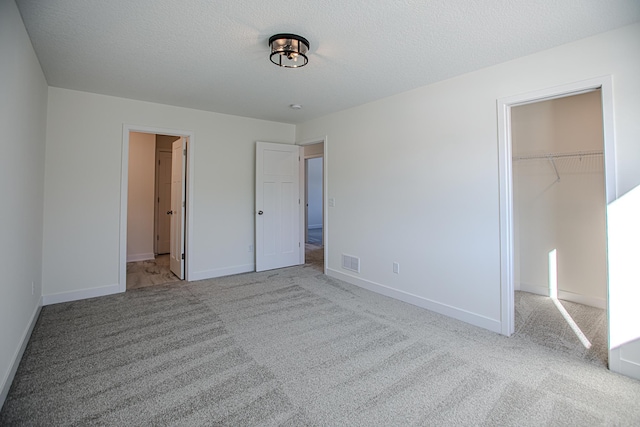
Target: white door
[[277, 206], [163, 202], [176, 254]]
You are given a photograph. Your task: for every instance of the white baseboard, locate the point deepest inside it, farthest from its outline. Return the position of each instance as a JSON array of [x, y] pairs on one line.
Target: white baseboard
[[444, 309], [566, 296], [221, 272], [81, 294], [17, 356], [140, 257], [583, 299], [617, 363], [532, 289], [314, 226]]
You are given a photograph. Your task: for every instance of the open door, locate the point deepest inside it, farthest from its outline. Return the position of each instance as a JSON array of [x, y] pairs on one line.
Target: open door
[[178, 161], [277, 215], [163, 203]]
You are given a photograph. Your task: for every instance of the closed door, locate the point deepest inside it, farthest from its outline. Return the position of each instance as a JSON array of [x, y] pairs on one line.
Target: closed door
[[277, 215]]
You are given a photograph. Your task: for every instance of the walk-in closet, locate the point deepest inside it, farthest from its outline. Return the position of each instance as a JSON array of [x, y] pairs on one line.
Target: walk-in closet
[[559, 201]]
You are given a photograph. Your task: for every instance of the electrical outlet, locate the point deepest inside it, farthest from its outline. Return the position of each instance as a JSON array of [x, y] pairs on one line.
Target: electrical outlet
[[396, 268], [33, 287], [250, 248]]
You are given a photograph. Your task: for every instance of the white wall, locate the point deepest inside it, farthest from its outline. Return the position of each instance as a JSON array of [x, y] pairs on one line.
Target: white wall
[[314, 196], [82, 191], [426, 195], [23, 110], [141, 196], [567, 214]]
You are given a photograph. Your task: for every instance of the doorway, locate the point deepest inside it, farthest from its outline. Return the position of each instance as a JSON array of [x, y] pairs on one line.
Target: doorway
[[314, 229], [281, 226], [154, 207], [313, 201], [559, 212], [506, 150]]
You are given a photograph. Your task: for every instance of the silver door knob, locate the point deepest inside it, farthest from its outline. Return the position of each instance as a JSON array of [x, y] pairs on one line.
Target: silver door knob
[[260, 212]]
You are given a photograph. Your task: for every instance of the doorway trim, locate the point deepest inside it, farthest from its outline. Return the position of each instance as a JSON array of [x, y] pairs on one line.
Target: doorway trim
[[124, 192], [325, 198], [504, 105]]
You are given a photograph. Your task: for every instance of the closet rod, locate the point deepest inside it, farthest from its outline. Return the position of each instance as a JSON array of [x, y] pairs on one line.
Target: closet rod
[[552, 156]]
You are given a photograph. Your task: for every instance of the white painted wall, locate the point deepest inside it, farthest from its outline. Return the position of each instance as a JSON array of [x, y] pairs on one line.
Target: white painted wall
[[314, 178], [141, 196], [82, 191], [426, 195], [23, 117], [624, 292], [567, 215]]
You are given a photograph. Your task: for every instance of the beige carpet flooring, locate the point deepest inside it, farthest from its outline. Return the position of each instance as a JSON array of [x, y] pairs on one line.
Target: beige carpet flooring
[[295, 347], [559, 326], [538, 319]]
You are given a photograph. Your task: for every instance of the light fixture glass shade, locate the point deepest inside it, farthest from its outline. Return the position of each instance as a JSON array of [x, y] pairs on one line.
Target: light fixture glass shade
[[289, 50]]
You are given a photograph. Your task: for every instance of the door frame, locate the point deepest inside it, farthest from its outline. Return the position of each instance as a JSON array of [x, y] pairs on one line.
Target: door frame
[[325, 192], [124, 190], [507, 280]]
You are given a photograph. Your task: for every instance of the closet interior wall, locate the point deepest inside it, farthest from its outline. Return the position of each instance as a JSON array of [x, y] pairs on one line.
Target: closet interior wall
[[559, 197]]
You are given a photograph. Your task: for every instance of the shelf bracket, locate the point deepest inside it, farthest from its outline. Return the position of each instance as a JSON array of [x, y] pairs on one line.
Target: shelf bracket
[[553, 163]]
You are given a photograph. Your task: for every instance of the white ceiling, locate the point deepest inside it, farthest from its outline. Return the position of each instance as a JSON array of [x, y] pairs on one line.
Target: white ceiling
[[213, 55]]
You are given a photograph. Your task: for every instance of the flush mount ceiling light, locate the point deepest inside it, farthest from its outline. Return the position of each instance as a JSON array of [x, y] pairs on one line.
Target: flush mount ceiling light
[[289, 50]]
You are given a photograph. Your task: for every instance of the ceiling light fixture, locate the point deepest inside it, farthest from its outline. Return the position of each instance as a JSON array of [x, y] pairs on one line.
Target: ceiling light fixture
[[289, 50]]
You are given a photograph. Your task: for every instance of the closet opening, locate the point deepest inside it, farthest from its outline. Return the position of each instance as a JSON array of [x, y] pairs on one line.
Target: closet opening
[[557, 263]]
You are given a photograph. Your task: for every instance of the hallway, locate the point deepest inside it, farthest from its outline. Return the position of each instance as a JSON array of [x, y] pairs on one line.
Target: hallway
[[149, 273]]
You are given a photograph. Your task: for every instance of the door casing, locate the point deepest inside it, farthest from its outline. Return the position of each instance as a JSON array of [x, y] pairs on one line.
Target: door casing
[[507, 279], [124, 179], [504, 105], [325, 191]]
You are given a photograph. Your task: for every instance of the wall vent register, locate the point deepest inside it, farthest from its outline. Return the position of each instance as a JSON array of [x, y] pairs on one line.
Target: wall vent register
[[351, 263]]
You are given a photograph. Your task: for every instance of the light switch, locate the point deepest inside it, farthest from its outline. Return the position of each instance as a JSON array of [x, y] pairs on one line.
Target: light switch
[[332, 202]]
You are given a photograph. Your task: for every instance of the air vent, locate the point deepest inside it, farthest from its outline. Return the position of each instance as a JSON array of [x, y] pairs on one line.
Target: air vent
[[351, 263]]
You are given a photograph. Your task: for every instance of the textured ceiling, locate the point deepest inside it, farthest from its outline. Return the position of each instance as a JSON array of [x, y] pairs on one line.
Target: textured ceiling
[[213, 55]]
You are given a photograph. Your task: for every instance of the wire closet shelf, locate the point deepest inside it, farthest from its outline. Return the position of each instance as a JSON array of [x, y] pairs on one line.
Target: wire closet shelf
[[552, 157]]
